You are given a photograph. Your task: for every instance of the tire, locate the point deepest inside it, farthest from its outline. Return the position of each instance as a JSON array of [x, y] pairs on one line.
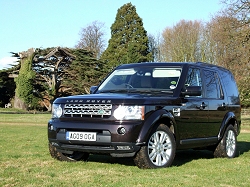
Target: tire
[[228, 144], [76, 156], [159, 151]]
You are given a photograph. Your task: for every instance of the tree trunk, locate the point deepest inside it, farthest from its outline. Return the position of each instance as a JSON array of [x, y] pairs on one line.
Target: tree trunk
[[18, 103]]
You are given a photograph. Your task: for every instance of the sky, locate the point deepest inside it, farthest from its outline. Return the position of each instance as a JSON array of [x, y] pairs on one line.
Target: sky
[[28, 24]]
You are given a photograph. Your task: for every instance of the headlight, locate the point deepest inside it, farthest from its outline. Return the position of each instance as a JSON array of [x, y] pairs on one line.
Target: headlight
[[129, 113], [56, 111]]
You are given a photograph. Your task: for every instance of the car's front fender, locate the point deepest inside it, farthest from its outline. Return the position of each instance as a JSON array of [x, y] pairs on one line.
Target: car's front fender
[[151, 123]]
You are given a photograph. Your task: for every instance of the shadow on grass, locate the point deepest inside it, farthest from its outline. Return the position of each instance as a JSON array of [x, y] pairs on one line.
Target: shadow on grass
[[243, 147], [111, 160], [185, 156], [182, 157]]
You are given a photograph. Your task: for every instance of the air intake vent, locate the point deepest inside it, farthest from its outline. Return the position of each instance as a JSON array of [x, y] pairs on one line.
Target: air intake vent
[[88, 110]]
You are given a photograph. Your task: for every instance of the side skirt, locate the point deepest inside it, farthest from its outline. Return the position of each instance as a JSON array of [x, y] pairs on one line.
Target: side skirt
[[197, 142]]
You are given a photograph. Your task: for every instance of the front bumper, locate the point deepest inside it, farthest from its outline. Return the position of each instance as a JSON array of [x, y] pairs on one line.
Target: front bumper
[[114, 149], [108, 140]]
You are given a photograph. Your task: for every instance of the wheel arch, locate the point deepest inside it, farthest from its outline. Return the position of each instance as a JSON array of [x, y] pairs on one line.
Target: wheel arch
[[159, 116], [229, 119]]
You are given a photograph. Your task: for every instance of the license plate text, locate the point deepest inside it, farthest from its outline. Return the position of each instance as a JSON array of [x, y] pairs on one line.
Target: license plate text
[[82, 136]]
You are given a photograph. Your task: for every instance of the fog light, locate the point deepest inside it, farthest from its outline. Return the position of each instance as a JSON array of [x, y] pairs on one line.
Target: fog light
[[54, 144], [121, 130], [51, 127]]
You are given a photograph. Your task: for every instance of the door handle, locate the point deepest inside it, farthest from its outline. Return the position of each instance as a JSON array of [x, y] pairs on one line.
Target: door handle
[[202, 106], [223, 105]]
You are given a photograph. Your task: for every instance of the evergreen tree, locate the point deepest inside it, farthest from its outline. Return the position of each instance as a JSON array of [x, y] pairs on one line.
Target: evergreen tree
[[51, 66], [84, 71], [129, 41], [7, 87], [63, 71]]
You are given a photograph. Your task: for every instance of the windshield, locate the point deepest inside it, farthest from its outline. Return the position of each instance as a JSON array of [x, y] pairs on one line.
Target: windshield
[[145, 79]]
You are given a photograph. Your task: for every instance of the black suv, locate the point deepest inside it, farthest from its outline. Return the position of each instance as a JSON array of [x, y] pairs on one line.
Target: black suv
[[148, 111]]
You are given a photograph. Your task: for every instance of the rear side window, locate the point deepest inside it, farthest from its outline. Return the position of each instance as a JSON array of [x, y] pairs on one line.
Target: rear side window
[[230, 87], [212, 85]]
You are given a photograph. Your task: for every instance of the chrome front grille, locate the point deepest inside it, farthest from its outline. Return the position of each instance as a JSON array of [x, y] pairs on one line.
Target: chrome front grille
[[87, 110]]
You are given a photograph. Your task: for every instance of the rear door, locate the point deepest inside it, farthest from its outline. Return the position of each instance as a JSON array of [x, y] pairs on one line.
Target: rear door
[[217, 108]]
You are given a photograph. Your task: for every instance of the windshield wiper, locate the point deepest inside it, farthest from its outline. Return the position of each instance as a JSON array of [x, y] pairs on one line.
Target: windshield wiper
[[151, 91], [133, 90], [114, 91]]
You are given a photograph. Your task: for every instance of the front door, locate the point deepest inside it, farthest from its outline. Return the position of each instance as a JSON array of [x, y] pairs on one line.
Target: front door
[[193, 120]]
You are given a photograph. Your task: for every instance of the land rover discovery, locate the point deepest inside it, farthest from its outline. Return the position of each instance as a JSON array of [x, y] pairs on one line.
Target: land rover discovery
[[148, 111]]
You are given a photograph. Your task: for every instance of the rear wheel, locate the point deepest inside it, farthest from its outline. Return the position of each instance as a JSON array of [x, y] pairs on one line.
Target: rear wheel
[[228, 144], [159, 151], [75, 156]]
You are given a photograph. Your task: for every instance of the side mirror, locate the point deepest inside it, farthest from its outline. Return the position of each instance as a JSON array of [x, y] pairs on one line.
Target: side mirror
[[192, 91], [93, 89]]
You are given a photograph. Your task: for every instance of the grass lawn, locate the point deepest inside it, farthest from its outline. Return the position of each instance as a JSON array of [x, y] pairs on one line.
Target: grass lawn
[[25, 161]]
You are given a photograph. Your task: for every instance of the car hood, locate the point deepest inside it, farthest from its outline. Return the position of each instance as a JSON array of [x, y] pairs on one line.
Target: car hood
[[114, 98]]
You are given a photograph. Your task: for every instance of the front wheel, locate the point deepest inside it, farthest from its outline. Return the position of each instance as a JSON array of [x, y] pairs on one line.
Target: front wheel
[[228, 144], [159, 151], [75, 156]]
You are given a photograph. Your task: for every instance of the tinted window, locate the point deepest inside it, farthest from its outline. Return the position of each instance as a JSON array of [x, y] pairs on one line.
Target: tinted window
[[212, 85], [229, 82], [193, 77]]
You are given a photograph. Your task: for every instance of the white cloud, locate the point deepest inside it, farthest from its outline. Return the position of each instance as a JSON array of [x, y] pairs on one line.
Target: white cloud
[[6, 62]]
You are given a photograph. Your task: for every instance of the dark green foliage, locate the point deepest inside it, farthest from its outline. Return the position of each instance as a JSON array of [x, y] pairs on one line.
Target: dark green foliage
[[129, 41], [7, 87], [84, 71], [24, 84], [63, 71], [50, 66], [49, 71]]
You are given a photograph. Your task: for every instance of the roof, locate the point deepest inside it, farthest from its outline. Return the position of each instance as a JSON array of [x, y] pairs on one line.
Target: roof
[[173, 64]]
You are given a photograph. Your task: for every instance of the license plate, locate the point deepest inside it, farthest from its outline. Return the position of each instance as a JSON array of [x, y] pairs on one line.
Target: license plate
[[81, 136]]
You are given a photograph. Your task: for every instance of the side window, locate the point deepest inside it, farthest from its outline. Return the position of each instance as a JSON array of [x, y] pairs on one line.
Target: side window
[[193, 77], [232, 91], [212, 85]]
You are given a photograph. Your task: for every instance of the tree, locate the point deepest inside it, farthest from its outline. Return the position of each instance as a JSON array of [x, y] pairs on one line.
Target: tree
[[46, 74], [63, 71], [92, 38], [180, 43], [50, 66], [85, 71], [223, 44], [25, 98], [129, 40], [239, 9], [7, 87], [154, 47], [230, 36]]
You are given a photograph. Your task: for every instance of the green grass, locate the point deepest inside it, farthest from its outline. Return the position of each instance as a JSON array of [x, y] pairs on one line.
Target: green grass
[[25, 161], [20, 111]]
